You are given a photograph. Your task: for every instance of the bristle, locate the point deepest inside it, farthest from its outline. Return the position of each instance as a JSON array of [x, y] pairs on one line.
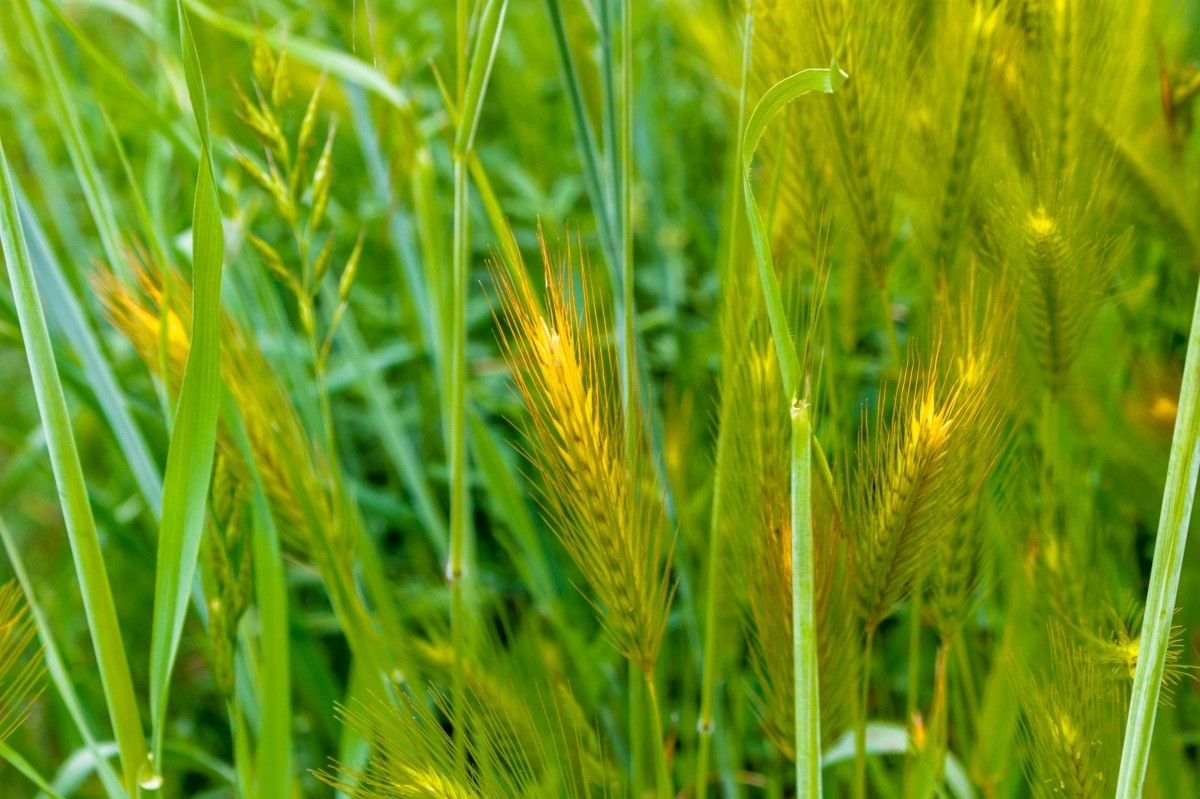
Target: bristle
[[1070, 724], [20, 662]]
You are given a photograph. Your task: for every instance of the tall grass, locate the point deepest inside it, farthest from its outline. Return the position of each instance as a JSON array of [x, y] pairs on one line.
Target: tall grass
[[684, 399]]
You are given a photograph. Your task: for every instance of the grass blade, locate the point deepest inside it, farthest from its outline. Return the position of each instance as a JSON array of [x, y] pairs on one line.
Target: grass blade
[[1164, 575], [774, 101], [193, 437], [471, 104], [68, 475], [56, 667], [68, 313]]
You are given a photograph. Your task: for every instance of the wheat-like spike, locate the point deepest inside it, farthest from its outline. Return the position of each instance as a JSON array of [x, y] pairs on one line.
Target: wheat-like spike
[[530, 749], [413, 755], [1062, 276], [20, 669], [599, 499], [979, 340], [915, 483], [1070, 723]]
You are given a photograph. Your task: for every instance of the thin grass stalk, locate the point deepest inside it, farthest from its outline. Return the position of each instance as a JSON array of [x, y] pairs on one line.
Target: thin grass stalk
[[637, 729], [1169, 549], [625, 108], [860, 716], [804, 612], [99, 607], [662, 774], [585, 136], [457, 444], [624, 193], [709, 673]]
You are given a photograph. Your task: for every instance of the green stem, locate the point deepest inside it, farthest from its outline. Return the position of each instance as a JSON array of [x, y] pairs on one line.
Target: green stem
[[804, 615], [456, 570], [1164, 575], [625, 110], [890, 325], [709, 678], [458, 396], [637, 731], [662, 773], [860, 720], [913, 698]]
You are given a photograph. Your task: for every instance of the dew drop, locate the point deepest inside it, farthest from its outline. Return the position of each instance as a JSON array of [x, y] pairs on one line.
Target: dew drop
[[149, 777]]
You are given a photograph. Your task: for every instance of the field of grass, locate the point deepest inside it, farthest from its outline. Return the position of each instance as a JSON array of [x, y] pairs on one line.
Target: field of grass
[[475, 399]]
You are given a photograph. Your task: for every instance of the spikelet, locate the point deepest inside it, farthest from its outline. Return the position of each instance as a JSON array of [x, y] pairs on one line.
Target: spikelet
[[1062, 276], [865, 121], [1070, 724], [916, 482], [598, 498], [284, 457], [1116, 642], [978, 337], [229, 557], [414, 755], [20, 669], [954, 153]]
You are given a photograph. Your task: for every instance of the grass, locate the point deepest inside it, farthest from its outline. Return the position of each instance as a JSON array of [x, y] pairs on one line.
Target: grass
[[679, 399]]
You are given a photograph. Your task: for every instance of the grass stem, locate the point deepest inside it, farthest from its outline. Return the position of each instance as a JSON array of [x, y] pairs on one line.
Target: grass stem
[[804, 614]]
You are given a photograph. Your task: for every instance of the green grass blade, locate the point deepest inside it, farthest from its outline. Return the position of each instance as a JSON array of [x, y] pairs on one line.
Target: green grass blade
[[58, 96], [487, 41], [68, 475], [274, 758], [27, 770], [1164, 574], [193, 437], [585, 135], [68, 314], [56, 667]]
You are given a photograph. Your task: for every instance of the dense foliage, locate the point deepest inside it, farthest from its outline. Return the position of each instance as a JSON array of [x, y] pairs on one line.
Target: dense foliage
[[698, 398]]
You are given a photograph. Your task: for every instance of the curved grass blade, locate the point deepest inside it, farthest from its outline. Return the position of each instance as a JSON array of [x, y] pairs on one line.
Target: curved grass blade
[[774, 101], [193, 437], [68, 475], [1169, 548], [808, 709]]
